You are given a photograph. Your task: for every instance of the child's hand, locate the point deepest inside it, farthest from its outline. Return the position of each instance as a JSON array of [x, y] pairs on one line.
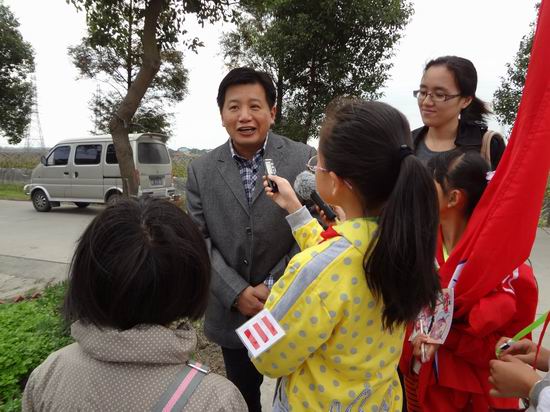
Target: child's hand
[[340, 214], [285, 197], [525, 350], [429, 348], [511, 377]]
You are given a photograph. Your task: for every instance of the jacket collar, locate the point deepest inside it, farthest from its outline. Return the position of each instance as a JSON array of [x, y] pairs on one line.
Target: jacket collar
[[272, 145], [141, 344], [359, 232], [235, 155], [469, 133], [229, 170]]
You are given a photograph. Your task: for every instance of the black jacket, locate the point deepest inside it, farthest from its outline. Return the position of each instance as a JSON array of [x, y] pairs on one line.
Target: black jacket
[[469, 137]]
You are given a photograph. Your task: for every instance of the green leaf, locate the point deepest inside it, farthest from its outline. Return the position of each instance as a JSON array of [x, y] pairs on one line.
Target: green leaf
[[316, 51]]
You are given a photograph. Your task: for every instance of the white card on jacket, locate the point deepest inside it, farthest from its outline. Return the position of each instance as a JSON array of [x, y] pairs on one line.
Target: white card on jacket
[[260, 332]]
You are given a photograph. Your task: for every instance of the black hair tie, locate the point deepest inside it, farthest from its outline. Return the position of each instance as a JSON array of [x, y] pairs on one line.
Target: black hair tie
[[404, 151]]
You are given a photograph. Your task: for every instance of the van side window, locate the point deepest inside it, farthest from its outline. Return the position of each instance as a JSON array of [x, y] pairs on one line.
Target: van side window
[[110, 158], [87, 154], [59, 156]]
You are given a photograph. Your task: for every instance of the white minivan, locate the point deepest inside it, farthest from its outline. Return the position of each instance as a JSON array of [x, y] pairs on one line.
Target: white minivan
[[85, 171]]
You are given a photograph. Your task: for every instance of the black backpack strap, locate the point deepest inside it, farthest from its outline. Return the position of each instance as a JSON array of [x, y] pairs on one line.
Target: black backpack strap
[[181, 388]]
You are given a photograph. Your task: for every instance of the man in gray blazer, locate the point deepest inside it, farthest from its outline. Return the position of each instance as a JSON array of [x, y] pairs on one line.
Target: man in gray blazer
[[249, 240]]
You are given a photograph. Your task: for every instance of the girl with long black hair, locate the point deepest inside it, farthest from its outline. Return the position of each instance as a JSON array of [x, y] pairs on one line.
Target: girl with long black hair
[[345, 299]]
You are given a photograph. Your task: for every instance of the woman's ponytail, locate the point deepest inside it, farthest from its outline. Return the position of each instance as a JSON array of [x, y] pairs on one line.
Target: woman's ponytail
[[476, 111]]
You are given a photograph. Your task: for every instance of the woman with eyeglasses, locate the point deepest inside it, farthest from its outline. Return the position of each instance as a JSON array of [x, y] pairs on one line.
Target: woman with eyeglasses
[[343, 302], [452, 114]]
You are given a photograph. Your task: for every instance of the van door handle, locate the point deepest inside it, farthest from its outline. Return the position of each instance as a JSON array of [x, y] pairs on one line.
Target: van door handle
[[75, 174], [65, 173]]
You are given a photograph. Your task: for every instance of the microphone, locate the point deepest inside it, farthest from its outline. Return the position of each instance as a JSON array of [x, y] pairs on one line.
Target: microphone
[[305, 188]]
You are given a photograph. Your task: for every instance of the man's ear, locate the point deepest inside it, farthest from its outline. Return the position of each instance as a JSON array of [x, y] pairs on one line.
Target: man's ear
[[273, 113]]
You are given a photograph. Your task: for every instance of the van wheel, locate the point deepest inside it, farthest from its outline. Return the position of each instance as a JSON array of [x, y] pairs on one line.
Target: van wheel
[[82, 205], [113, 198], [40, 201]]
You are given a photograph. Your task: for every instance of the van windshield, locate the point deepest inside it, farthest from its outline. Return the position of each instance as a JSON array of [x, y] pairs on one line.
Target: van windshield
[[153, 153]]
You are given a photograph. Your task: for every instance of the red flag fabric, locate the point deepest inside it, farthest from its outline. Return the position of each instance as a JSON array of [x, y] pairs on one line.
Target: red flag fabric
[[502, 229]]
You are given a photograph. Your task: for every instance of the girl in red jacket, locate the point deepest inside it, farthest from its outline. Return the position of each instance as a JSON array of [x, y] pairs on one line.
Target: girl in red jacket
[[454, 375]]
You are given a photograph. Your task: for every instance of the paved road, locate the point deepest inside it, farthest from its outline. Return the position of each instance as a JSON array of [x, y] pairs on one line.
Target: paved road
[[540, 259], [35, 248]]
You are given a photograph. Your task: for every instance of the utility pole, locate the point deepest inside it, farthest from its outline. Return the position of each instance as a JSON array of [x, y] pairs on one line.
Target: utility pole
[[34, 139]]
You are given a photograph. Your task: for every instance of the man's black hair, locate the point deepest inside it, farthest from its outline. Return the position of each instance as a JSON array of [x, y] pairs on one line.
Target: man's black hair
[[247, 75]]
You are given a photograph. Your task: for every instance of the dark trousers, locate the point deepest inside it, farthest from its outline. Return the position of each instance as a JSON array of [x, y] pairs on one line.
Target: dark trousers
[[241, 371]]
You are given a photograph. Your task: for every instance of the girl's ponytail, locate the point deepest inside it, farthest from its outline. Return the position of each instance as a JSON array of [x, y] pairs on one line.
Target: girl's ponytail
[[368, 143], [400, 264]]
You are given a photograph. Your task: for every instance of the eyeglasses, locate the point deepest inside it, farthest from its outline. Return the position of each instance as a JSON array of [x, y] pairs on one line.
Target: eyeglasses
[[312, 165], [438, 97]]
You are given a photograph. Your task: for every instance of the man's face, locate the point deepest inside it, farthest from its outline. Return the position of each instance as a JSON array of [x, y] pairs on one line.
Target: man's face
[[247, 117]]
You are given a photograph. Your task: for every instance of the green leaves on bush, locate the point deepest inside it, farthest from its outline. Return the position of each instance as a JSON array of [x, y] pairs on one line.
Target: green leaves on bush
[[29, 332]]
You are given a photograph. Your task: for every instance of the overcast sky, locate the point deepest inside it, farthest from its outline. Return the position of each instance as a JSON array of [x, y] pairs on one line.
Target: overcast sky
[[487, 32]]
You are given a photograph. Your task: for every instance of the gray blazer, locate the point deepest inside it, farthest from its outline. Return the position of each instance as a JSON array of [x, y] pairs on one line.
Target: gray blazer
[[246, 243]]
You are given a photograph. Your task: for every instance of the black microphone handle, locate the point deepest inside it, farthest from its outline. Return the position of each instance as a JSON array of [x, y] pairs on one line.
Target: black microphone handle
[[329, 213]]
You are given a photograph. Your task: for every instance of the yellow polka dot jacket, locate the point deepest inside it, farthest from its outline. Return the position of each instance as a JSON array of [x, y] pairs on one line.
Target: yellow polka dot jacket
[[335, 355]]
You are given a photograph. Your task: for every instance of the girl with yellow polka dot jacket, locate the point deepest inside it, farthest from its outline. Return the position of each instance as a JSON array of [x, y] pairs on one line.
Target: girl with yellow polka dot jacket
[[344, 300]]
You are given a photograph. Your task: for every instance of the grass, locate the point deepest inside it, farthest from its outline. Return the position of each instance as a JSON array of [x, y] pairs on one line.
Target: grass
[[32, 329], [12, 192]]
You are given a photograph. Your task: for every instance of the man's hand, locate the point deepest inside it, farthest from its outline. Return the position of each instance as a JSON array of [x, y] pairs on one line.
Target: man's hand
[[511, 377], [251, 300], [262, 292], [286, 197]]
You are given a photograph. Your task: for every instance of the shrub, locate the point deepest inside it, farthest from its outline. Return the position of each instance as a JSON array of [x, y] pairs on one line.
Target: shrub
[[29, 331]]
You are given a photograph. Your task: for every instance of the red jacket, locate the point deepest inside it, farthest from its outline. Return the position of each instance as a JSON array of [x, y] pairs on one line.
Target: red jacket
[[462, 362]]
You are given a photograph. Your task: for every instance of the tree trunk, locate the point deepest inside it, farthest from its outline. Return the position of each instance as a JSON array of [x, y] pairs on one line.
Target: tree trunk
[[119, 125], [129, 57]]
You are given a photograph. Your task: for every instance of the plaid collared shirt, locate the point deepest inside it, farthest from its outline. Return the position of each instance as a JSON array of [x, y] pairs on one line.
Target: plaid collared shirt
[[248, 170]]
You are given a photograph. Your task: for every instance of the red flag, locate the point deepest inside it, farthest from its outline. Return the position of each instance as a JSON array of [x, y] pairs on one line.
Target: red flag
[[502, 229]]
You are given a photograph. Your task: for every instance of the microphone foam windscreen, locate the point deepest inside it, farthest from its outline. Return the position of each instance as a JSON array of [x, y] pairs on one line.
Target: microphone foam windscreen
[[304, 185]]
